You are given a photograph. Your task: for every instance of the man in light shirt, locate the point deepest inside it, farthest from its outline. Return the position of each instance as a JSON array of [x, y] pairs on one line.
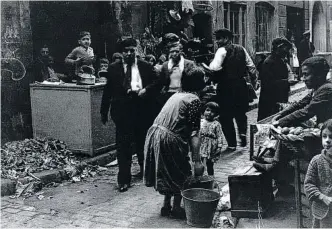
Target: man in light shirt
[[232, 65], [129, 91]]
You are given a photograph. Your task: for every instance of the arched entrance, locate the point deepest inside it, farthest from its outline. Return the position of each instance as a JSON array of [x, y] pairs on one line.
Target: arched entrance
[[319, 27]]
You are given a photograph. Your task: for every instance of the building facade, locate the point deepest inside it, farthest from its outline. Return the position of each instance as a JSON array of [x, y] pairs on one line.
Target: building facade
[[28, 25]]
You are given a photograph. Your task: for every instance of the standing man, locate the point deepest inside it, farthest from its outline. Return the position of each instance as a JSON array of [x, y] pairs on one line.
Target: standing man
[[231, 63], [306, 48], [129, 91], [274, 79], [42, 67]]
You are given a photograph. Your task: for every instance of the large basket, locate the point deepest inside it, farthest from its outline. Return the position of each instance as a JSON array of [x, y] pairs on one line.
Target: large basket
[[303, 146]]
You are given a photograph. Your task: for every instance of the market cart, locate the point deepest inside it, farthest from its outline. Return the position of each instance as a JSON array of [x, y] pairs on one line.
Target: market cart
[[303, 147]]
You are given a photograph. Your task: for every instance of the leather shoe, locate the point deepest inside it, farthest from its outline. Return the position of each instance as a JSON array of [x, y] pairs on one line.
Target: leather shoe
[[123, 187], [229, 149], [166, 211], [264, 167], [178, 213]]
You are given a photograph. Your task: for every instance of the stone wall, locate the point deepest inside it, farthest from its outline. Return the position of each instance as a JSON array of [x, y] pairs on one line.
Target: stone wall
[[16, 56]]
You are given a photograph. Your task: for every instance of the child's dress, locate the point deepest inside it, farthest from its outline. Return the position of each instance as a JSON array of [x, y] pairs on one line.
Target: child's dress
[[211, 139], [318, 186]]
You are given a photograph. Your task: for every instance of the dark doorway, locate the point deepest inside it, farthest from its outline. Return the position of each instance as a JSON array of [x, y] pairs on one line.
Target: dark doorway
[[58, 23], [295, 23]]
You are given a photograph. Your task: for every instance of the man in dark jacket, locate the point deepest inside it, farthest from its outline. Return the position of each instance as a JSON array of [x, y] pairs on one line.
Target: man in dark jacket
[[231, 63], [317, 103], [274, 79], [306, 48], [129, 91]]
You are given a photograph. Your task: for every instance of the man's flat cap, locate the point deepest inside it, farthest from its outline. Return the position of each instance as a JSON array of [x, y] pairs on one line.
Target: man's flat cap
[[280, 41]]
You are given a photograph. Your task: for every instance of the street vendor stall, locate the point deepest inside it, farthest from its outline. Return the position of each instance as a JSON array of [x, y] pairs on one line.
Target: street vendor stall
[[71, 113], [303, 144]]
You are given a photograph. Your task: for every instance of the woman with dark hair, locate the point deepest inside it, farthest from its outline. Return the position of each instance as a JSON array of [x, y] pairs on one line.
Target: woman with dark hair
[[167, 144]]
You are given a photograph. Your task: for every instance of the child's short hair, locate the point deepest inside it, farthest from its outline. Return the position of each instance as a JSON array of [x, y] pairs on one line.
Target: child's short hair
[[83, 34], [213, 106], [326, 125], [104, 61]]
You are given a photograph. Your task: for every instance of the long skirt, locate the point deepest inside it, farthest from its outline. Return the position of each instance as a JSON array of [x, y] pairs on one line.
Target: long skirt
[[166, 164]]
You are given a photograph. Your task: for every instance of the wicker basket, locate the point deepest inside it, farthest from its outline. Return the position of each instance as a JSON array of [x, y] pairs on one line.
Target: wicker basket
[[300, 146]]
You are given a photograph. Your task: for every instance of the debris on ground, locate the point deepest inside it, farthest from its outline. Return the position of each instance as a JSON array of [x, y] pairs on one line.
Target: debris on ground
[[113, 163], [54, 212], [20, 159], [224, 203], [221, 221]]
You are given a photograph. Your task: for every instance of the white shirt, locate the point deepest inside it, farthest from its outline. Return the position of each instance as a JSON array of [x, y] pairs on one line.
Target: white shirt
[[175, 75], [136, 80]]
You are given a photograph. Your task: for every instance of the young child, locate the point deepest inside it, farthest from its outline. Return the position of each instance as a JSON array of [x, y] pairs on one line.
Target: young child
[[318, 180], [211, 137], [83, 54]]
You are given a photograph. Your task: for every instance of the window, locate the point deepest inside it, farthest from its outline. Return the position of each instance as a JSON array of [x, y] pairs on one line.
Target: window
[[235, 18], [264, 14]]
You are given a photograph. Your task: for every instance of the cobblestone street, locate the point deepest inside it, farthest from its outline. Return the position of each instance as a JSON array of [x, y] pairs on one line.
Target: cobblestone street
[[96, 202]]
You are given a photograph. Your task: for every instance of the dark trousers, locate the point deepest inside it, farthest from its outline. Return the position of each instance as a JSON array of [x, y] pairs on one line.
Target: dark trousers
[[132, 124], [227, 124], [209, 167]]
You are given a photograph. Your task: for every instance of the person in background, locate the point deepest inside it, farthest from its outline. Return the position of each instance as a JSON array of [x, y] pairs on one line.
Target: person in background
[[175, 133], [40, 67], [274, 79], [129, 91], [318, 180], [306, 47], [151, 59], [230, 65], [117, 57], [161, 60], [81, 55], [211, 136], [102, 69], [173, 70], [294, 61]]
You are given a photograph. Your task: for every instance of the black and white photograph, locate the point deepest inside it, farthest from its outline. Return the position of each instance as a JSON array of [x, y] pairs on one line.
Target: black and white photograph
[[166, 114]]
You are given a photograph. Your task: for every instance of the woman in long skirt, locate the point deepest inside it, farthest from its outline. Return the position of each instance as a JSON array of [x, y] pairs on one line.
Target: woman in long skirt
[[168, 141]]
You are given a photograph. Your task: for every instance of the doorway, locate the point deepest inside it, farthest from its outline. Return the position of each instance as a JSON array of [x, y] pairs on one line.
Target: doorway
[[295, 23]]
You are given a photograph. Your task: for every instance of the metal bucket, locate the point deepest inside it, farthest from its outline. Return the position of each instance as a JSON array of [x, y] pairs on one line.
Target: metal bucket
[[205, 182], [200, 205]]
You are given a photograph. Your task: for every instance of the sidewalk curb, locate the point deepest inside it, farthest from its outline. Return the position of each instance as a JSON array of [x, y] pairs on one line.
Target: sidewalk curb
[[8, 187]]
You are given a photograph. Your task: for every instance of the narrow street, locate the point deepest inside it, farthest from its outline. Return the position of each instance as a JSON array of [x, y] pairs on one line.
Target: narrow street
[[96, 202]]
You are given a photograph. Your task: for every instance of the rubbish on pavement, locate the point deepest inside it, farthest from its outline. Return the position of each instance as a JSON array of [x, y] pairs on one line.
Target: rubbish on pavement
[[54, 212], [40, 197], [113, 163], [225, 200]]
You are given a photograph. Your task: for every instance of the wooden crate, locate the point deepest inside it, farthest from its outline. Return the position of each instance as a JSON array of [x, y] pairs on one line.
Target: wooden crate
[[71, 113], [250, 193]]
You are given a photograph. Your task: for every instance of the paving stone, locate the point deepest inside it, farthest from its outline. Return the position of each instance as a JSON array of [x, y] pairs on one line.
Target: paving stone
[[82, 216], [28, 213], [82, 223], [11, 210]]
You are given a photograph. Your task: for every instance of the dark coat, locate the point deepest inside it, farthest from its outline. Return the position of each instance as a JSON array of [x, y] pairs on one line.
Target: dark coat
[[317, 103], [274, 86], [232, 92], [305, 50], [115, 92]]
